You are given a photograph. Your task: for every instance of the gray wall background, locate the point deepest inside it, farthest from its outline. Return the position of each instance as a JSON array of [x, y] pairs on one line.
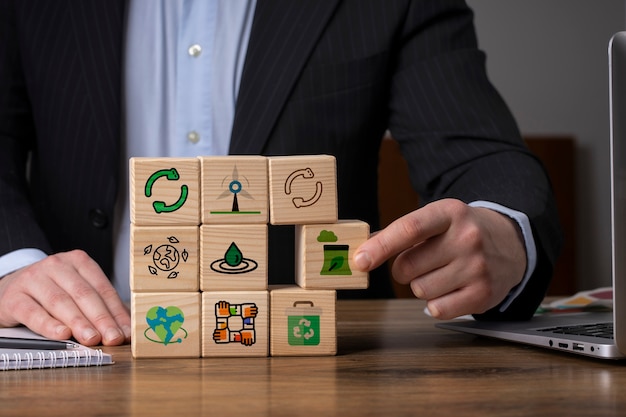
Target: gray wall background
[[548, 58]]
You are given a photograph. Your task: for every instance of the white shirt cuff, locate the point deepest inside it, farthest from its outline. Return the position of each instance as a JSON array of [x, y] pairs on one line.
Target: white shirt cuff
[[20, 258], [529, 242]]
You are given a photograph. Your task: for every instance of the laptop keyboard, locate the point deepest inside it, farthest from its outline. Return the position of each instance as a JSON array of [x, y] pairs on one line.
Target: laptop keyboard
[[604, 330]]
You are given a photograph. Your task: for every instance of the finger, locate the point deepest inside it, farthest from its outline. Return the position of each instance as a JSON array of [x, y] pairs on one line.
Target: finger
[[90, 302], [113, 308], [118, 310], [438, 282], [465, 300], [457, 288], [59, 305], [454, 290], [56, 285], [104, 289], [403, 233], [32, 315], [422, 259]]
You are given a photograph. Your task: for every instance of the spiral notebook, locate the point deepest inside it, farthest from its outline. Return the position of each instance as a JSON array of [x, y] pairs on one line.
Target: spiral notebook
[[18, 359]]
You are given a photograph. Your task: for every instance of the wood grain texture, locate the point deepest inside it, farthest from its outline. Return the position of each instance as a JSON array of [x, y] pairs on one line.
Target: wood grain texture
[[234, 189], [164, 258], [303, 189], [303, 322], [174, 183], [325, 255], [219, 243], [391, 361], [162, 338], [235, 324]]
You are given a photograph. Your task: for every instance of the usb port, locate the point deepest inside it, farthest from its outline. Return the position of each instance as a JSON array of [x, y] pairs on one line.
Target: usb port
[[578, 346], [563, 345]]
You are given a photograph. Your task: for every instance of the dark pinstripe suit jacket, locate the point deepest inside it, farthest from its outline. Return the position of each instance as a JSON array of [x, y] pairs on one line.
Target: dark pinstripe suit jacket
[[320, 77]]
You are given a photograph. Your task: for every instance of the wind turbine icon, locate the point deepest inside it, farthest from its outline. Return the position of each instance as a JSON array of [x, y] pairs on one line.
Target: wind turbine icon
[[235, 187]]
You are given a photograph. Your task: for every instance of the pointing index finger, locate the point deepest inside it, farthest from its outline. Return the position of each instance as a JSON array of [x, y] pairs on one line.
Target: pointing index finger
[[403, 233]]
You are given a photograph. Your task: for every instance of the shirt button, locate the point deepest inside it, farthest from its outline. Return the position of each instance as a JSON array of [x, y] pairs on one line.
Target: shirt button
[[195, 50], [193, 137]]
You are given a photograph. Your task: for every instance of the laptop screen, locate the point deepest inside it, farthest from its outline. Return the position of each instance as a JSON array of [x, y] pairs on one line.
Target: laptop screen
[[617, 106]]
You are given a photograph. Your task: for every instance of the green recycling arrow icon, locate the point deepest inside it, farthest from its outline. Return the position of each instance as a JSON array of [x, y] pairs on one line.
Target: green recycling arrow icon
[[171, 175]]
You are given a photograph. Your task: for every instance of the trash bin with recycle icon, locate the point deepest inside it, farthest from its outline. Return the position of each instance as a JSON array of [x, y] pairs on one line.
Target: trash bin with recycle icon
[[303, 324]]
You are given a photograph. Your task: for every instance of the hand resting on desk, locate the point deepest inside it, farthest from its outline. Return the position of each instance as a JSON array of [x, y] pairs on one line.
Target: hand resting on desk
[[62, 296]]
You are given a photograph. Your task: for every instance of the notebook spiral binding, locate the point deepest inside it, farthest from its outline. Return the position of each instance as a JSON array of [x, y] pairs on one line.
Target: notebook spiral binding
[[51, 359]]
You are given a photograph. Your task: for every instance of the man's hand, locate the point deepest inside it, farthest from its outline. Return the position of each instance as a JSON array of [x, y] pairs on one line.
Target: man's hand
[[461, 259], [65, 295]]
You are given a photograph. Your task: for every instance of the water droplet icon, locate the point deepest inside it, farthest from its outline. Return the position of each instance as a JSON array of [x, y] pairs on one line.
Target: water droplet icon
[[233, 255]]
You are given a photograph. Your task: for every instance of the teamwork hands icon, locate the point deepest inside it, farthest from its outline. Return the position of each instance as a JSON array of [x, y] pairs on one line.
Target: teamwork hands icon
[[243, 332]]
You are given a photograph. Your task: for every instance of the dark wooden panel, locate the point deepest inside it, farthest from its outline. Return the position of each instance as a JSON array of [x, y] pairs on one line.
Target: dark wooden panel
[[558, 156]]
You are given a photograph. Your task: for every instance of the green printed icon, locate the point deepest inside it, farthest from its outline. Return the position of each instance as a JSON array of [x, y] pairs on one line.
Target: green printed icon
[[171, 175], [303, 324], [335, 256], [165, 322], [234, 262]]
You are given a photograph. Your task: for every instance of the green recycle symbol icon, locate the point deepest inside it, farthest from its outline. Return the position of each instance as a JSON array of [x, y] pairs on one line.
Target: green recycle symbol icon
[[303, 330], [171, 175], [302, 324]]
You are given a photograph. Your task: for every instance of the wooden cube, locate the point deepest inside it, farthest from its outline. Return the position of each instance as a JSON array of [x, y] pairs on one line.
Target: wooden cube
[[165, 325], [235, 323], [303, 189], [234, 189], [233, 257], [164, 191], [303, 321], [325, 255], [164, 258]]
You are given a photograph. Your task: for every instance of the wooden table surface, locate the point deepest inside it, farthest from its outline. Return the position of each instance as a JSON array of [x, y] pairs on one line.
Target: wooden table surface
[[392, 361]]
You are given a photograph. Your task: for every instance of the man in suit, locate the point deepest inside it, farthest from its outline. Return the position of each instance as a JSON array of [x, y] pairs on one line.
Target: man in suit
[[319, 77]]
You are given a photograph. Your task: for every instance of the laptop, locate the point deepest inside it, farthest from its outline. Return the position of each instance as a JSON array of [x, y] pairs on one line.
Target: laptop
[[595, 334]]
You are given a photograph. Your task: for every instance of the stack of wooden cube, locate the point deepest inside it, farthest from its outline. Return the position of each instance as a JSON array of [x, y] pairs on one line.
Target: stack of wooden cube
[[199, 255]]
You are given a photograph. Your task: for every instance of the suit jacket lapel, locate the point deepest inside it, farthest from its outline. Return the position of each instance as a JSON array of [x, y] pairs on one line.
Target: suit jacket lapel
[[282, 37]]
